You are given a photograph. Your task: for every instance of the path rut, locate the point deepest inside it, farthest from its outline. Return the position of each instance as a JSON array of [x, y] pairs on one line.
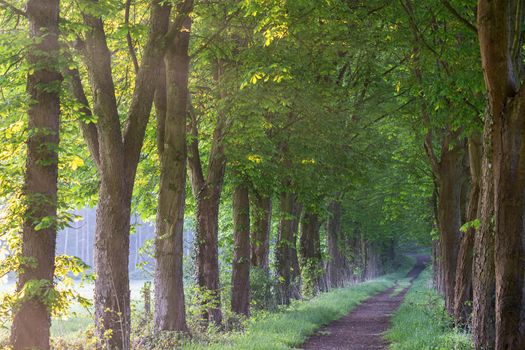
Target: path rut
[[364, 326]]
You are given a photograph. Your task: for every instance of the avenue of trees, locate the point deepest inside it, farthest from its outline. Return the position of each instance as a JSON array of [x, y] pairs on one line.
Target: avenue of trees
[[307, 143]]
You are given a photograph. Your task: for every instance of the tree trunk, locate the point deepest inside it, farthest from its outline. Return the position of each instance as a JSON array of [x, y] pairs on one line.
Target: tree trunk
[[310, 253], [262, 216], [282, 250], [240, 301], [32, 319], [463, 288], [295, 267], [336, 260], [112, 295], [208, 252], [449, 218], [509, 174], [171, 102], [500, 32], [483, 283]]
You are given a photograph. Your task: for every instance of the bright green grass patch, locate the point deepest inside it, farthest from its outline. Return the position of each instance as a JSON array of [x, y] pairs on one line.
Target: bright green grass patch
[[292, 326], [421, 322]]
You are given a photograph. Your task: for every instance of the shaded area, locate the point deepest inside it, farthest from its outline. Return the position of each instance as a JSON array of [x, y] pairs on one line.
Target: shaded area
[[364, 326]]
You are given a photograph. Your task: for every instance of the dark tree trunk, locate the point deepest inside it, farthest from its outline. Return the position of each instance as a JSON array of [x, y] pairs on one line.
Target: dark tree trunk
[[449, 218], [295, 267], [32, 319], [336, 260], [240, 301], [463, 288], [207, 191], [483, 283], [311, 253], [262, 216], [282, 250], [171, 102], [207, 251], [500, 32]]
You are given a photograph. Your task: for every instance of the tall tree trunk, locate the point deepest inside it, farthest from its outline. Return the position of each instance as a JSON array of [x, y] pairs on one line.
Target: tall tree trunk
[[262, 216], [336, 261], [500, 32], [208, 252], [483, 283], [463, 288], [171, 101], [32, 319], [240, 300], [295, 267], [112, 296], [282, 250], [449, 218], [310, 253]]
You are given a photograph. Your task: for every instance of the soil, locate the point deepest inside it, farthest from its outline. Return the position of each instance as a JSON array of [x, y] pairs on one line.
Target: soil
[[364, 326]]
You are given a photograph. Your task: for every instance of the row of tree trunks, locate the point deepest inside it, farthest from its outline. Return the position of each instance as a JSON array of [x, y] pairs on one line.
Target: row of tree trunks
[[463, 288], [32, 321], [171, 100], [240, 298], [262, 219]]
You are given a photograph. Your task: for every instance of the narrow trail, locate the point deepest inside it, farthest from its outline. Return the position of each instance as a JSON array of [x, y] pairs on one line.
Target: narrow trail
[[364, 326]]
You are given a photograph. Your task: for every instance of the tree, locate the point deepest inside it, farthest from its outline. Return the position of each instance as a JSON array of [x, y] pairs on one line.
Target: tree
[[171, 103], [32, 320], [500, 36], [116, 153]]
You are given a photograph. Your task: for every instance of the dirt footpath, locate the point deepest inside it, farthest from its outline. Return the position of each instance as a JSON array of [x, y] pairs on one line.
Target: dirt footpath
[[364, 326]]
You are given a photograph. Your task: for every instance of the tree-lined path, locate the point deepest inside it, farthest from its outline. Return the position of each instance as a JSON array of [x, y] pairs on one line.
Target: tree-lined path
[[364, 327], [297, 148]]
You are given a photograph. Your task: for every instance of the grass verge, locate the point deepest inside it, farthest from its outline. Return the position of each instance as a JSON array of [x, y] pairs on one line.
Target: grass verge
[[421, 323], [293, 325]]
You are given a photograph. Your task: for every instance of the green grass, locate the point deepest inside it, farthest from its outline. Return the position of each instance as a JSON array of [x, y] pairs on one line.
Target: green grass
[[421, 322], [291, 327]]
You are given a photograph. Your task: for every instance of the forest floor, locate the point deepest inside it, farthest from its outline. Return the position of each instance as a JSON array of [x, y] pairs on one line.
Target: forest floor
[[364, 327]]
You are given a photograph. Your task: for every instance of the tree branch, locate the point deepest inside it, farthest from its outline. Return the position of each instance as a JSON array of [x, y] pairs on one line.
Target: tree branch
[[458, 15], [89, 130], [13, 8], [131, 48]]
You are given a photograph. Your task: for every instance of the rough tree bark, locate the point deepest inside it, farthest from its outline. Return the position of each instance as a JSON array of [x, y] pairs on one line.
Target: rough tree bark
[[483, 283], [31, 322], [450, 179], [310, 244], [207, 192], [463, 288], [116, 154], [500, 32], [282, 250], [171, 101], [336, 260], [240, 300], [295, 267], [260, 241]]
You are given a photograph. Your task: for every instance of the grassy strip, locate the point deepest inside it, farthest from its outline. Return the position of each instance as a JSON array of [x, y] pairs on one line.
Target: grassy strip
[[292, 326], [421, 322]]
